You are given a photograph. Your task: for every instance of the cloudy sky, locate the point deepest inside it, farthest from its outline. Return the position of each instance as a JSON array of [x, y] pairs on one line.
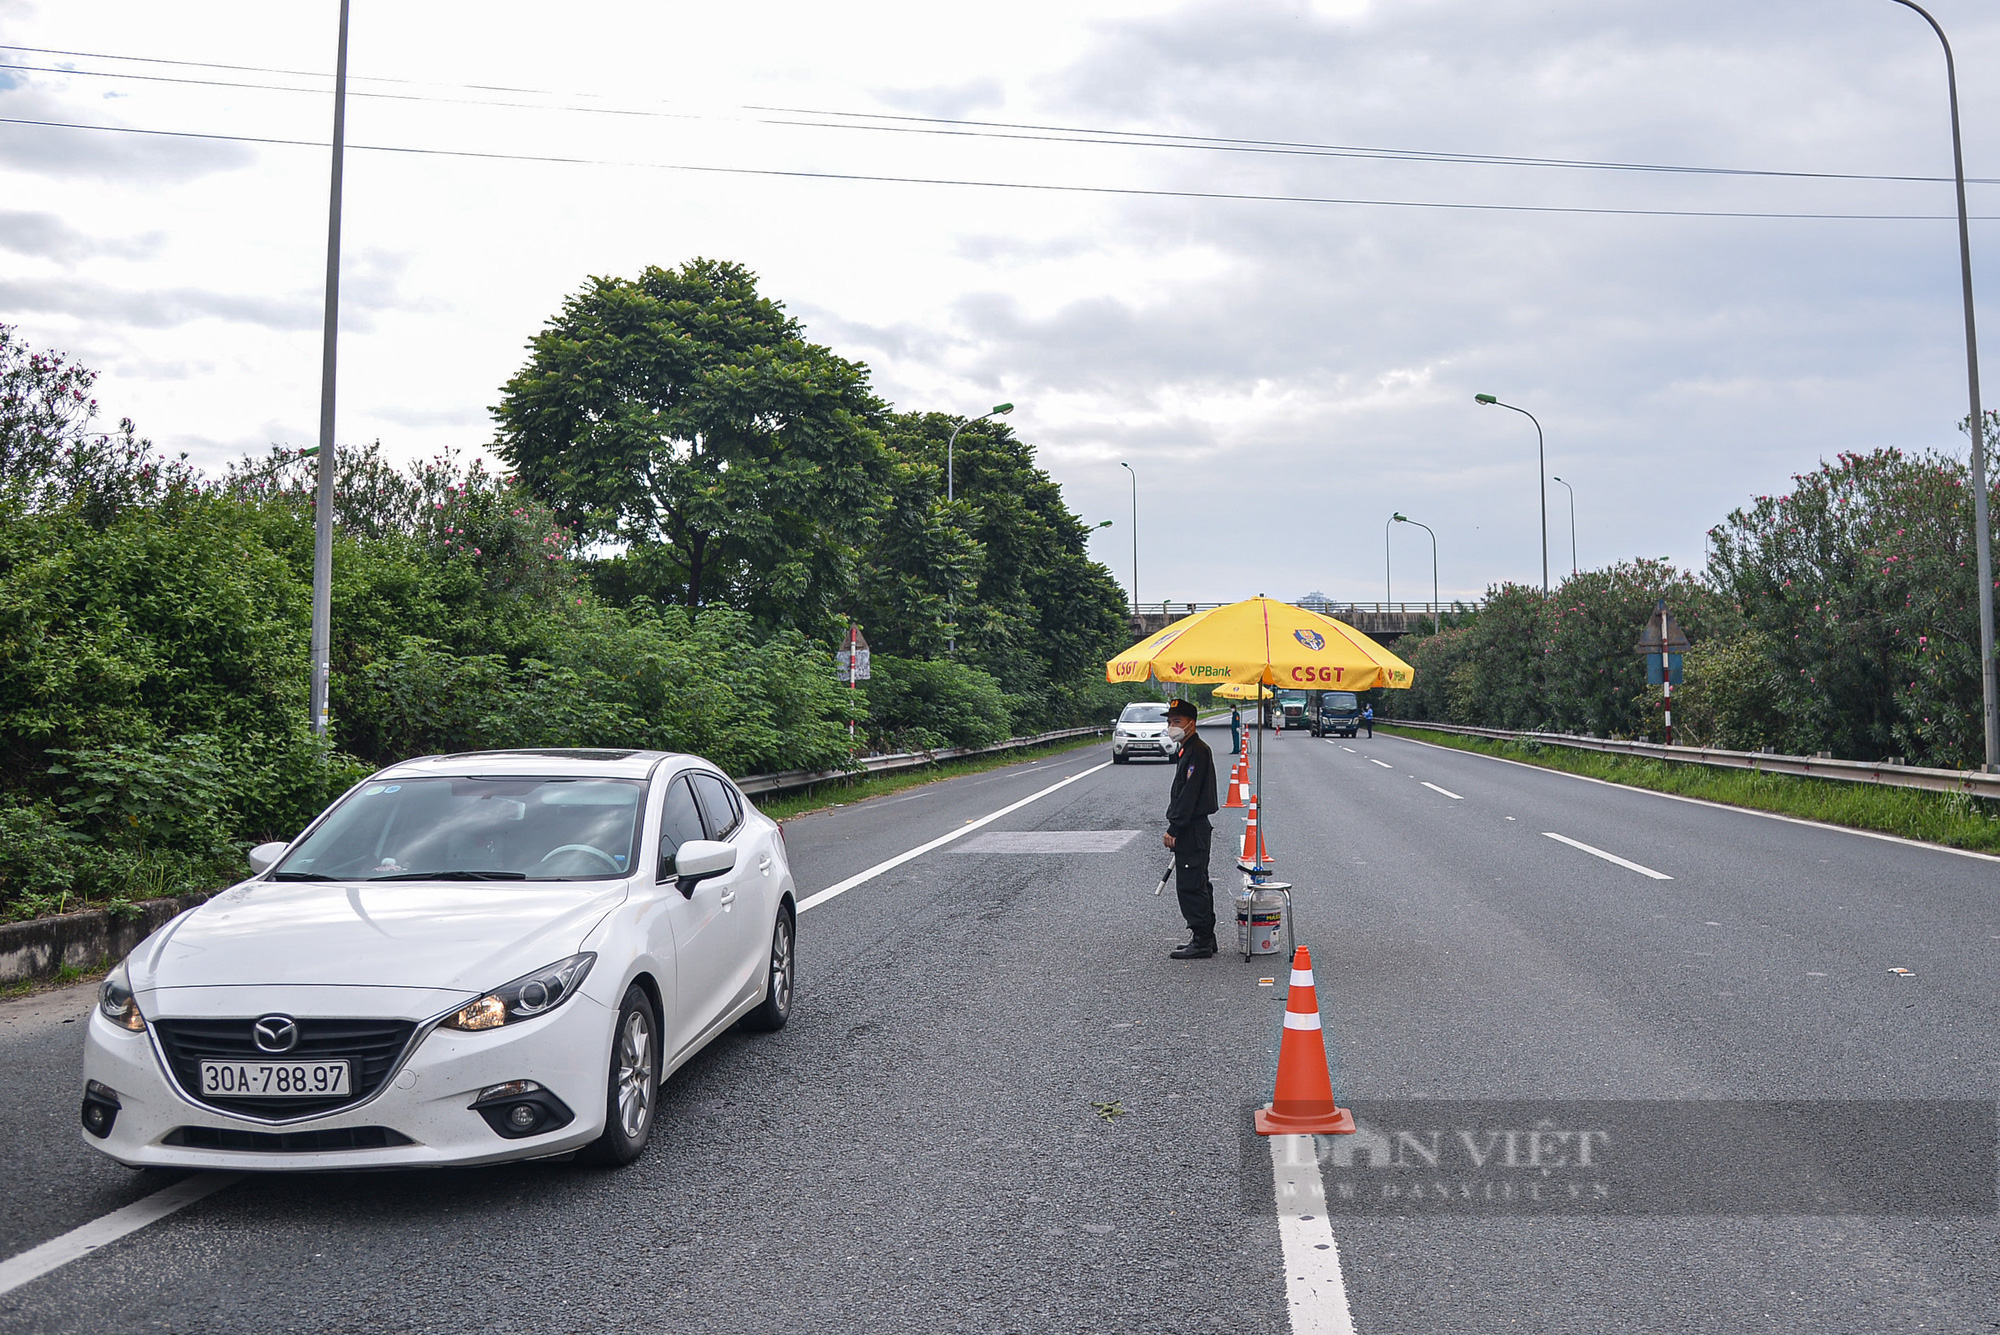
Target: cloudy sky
[[1264, 252]]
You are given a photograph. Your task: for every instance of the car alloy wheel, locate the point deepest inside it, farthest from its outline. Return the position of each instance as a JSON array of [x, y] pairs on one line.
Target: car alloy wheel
[[633, 1085], [782, 979], [635, 1075]]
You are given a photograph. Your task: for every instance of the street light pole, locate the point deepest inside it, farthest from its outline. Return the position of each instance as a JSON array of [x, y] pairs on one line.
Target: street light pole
[[322, 588], [1572, 522], [1982, 538], [1542, 464], [1135, 535], [950, 495], [1388, 588], [1437, 609]]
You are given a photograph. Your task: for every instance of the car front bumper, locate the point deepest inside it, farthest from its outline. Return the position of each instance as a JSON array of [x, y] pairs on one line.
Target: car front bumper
[[425, 1099]]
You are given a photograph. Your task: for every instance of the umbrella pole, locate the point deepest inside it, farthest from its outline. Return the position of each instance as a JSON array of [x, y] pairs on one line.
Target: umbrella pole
[[1257, 850]]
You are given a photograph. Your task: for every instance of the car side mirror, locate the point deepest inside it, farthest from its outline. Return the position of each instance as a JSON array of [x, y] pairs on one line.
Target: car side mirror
[[264, 856], [700, 859]]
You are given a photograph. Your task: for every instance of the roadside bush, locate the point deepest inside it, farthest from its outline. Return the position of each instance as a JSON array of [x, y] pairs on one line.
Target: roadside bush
[[923, 705]]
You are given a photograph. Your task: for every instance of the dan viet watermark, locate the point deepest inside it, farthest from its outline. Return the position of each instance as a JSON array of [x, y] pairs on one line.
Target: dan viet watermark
[[1654, 1157]]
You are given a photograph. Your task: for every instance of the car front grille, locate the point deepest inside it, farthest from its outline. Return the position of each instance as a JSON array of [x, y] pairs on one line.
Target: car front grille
[[373, 1046], [286, 1142]]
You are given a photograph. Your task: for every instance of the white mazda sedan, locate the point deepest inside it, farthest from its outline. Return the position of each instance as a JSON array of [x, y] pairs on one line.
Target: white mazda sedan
[[467, 959]]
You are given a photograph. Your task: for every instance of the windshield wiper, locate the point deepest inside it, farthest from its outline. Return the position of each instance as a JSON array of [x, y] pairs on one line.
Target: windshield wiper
[[301, 876], [454, 876]]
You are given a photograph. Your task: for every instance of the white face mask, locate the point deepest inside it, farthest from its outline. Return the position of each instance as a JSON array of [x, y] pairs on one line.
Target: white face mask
[[1178, 732]]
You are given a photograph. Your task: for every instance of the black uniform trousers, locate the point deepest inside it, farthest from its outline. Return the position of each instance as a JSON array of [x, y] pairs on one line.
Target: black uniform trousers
[[1191, 883]]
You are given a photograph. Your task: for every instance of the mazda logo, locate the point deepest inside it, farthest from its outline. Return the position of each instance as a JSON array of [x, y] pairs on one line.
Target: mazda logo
[[276, 1033]]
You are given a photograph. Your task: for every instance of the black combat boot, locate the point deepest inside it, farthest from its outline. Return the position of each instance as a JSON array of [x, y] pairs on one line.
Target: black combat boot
[[1199, 948]]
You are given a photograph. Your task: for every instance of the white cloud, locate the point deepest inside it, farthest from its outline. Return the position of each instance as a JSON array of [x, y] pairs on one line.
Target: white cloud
[[1281, 375]]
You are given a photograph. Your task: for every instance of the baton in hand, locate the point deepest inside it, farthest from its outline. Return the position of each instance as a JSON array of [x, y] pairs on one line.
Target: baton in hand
[[1165, 876]]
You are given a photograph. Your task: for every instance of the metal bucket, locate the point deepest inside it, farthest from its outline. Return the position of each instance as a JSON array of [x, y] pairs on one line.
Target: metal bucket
[[1263, 917]]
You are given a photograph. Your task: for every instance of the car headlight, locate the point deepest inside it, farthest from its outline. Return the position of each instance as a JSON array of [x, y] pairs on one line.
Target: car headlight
[[530, 995], [116, 1002]]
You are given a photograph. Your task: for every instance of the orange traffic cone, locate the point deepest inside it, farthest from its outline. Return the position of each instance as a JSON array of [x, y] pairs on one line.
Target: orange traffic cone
[[1254, 852], [1302, 1104], [1239, 781]]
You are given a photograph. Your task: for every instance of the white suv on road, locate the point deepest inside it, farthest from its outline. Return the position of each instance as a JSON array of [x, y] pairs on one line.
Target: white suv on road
[[466, 959]]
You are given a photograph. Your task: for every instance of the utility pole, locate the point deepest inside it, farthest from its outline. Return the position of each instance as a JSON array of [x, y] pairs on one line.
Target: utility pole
[[322, 591], [1982, 535], [1135, 540]]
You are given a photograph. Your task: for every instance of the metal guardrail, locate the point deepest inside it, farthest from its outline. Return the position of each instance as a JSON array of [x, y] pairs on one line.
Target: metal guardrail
[[1976, 782], [755, 784]]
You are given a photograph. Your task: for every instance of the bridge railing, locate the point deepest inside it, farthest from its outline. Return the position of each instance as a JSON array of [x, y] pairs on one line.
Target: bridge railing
[[1333, 607]]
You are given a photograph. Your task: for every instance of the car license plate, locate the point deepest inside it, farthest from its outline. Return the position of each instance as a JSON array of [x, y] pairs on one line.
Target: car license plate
[[275, 1080]]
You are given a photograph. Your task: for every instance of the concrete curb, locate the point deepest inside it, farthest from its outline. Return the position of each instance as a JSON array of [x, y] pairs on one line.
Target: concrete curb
[[37, 948]]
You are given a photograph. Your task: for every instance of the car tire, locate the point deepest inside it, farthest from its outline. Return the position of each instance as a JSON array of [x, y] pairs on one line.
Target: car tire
[[781, 978], [1119, 757], [632, 1088]]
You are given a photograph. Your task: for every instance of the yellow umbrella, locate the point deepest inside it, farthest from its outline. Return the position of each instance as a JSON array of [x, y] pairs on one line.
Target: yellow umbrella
[[1243, 690], [1260, 639]]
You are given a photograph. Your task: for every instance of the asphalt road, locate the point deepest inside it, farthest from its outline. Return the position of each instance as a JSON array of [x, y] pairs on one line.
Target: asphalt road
[[919, 1149]]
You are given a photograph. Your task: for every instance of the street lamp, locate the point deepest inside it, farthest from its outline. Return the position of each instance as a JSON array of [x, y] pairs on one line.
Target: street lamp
[[1437, 608], [950, 477], [1572, 522], [1982, 538], [1541, 462], [322, 590], [1388, 591], [1135, 535], [950, 495]]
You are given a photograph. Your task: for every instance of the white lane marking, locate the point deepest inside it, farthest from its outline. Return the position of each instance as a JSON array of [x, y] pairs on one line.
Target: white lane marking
[[1383, 763], [1350, 750], [1719, 806], [1608, 857], [842, 887], [1313, 1287], [1446, 791], [86, 1238]]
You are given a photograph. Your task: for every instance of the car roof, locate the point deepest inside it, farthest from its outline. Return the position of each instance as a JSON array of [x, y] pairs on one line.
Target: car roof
[[552, 762]]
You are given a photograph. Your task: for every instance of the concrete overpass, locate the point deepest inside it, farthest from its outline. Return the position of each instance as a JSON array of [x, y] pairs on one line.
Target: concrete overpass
[[1381, 621]]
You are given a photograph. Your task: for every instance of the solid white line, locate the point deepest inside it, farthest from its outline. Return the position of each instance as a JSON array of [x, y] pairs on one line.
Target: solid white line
[[842, 887], [1719, 806], [1608, 857], [86, 1238], [1383, 763], [1446, 791], [1313, 1287]]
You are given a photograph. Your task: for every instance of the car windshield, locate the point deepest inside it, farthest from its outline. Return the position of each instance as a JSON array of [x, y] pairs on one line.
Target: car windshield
[[1338, 700], [500, 829], [1143, 714]]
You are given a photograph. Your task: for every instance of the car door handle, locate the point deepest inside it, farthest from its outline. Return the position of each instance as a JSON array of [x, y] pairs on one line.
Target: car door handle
[[764, 864], [728, 898]]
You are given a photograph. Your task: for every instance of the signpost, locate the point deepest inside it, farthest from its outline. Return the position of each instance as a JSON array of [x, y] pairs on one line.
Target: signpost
[[853, 661], [1663, 644]]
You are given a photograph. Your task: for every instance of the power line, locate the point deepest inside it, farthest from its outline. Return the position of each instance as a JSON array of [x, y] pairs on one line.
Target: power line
[[947, 126], [1050, 187]]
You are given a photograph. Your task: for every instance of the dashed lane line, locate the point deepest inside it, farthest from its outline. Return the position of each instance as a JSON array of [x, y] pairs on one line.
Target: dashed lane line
[[860, 878], [1383, 763], [1446, 791], [106, 1229], [1314, 1290], [1719, 806], [1608, 857]]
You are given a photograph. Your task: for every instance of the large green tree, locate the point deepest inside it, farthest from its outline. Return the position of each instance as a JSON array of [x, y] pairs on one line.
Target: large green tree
[[686, 415], [1005, 564]]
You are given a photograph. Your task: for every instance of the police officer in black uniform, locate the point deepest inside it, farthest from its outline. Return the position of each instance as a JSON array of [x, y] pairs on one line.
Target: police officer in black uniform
[[1188, 831]]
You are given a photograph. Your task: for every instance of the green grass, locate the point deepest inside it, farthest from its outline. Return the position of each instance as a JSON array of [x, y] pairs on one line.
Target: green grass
[[66, 976], [841, 792], [1954, 819]]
